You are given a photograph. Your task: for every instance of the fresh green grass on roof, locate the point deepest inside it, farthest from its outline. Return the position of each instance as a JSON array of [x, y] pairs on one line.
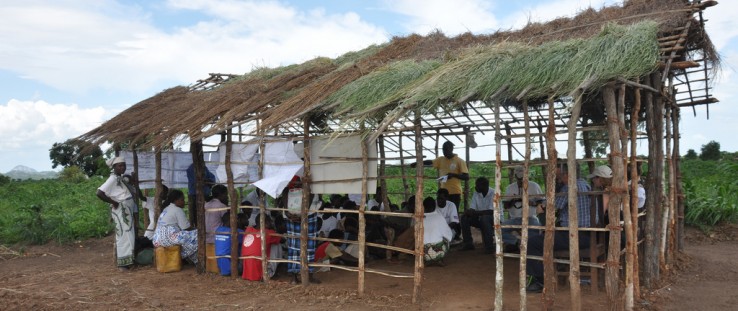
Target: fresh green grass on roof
[[555, 68]]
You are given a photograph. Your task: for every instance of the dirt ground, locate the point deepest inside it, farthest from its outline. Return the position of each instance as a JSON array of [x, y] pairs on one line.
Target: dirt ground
[[82, 276]]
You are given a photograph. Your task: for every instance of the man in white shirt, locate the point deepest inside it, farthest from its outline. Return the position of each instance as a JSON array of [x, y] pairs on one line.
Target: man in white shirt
[[514, 207], [437, 234], [448, 210], [480, 215]]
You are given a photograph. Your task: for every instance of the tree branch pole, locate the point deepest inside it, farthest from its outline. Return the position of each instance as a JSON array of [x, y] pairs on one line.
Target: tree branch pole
[[137, 198], [571, 154], [678, 175], [653, 195], [499, 256], [233, 204], [304, 269], [402, 168], [522, 275], [199, 166], [262, 209], [615, 201], [362, 209], [549, 271], [419, 211], [633, 239], [159, 188]]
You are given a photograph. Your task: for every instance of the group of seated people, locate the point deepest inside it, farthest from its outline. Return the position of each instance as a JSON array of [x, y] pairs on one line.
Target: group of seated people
[[337, 220]]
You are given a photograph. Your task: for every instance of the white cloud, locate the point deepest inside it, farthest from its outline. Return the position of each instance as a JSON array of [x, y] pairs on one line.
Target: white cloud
[[79, 46], [38, 124], [550, 10], [452, 17]]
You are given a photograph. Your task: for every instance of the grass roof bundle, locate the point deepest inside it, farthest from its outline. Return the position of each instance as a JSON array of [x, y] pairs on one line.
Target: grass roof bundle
[[555, 68], [379, 88]]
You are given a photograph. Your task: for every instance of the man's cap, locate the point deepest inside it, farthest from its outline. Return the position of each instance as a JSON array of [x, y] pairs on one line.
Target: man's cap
[[603, 171], [115, 161], [519, 172]]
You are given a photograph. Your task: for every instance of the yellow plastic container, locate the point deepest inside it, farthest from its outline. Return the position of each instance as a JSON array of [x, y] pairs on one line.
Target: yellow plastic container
[[211, 264], [168, 259]]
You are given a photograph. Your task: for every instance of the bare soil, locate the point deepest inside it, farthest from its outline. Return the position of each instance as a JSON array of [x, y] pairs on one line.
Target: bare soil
[[82, 275]]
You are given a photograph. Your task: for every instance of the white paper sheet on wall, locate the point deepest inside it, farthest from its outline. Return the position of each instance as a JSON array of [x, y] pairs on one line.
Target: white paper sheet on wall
[[281, 165], [172, 173], [240, 152], [324, 150]]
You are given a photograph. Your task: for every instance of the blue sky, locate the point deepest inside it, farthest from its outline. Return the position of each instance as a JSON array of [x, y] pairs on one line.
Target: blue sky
[[66, 66]]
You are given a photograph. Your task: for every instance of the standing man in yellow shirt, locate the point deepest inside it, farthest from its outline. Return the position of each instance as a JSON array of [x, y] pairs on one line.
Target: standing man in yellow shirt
[[451, 171]]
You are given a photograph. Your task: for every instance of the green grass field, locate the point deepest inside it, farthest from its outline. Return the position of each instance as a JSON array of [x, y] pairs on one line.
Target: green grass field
[[53, 210]]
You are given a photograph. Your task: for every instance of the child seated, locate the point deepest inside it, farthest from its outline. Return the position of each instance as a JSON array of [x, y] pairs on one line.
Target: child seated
[[252, 268], [328, 251], [223, 241]]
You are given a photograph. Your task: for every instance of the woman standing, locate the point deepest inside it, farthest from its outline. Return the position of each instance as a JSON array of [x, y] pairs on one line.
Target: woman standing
[[173, 228], [122, 206]]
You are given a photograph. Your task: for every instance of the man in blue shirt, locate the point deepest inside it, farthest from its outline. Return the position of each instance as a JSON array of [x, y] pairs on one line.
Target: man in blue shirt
[[561, 238]]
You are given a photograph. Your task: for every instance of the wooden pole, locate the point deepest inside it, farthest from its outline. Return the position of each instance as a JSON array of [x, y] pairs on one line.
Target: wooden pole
[[499, 276], [671, 247], [654, 127], [522, 275], [402, 167], [419, 211], [549, 271], [233, 204], [159, 188], [466, 182], [571, 154], [616, 197], [678, 176], [362, 209], [633, 239], [382, 173], [199, 165], [137, 199], [508, 132], [262, 210], [304, 269], [628, 211]]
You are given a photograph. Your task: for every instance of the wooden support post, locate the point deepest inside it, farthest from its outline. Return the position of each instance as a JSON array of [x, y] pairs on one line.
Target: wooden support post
[[419, 211], [678, 184], [402, 167], [522, 275], [159, 188], [499, 276], [137, 199], [671, 246], [615, 194], [362, 209], [508, 132], [304, 269], [262, 210], [233, 204], [466, 182], [571, 154], [628, 211], [199, 165], [383, 173], [651, 272], [549, 271], [634, 283]]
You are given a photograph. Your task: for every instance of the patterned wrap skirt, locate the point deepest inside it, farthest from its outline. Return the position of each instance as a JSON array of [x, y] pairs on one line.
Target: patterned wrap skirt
[[293, 242]]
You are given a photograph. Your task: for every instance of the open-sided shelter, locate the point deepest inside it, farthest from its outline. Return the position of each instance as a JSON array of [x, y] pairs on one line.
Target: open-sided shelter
[[602, 71]]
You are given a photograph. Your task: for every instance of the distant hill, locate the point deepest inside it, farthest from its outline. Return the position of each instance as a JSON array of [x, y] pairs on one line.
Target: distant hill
[[24, 172]]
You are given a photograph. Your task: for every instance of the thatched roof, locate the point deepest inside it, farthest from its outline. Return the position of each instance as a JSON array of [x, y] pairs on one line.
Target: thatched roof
[[377, 86]]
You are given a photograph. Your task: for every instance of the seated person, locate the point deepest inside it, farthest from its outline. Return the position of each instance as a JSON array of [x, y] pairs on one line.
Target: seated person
[[437, 234], [480, 214], [330, 221], [329, 251], [376, 201], [212, 218], [514, 207], [149, 204], [252, 268], [399, 231], [223, 241], [252, 199], [449, 211], [173, 228]]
